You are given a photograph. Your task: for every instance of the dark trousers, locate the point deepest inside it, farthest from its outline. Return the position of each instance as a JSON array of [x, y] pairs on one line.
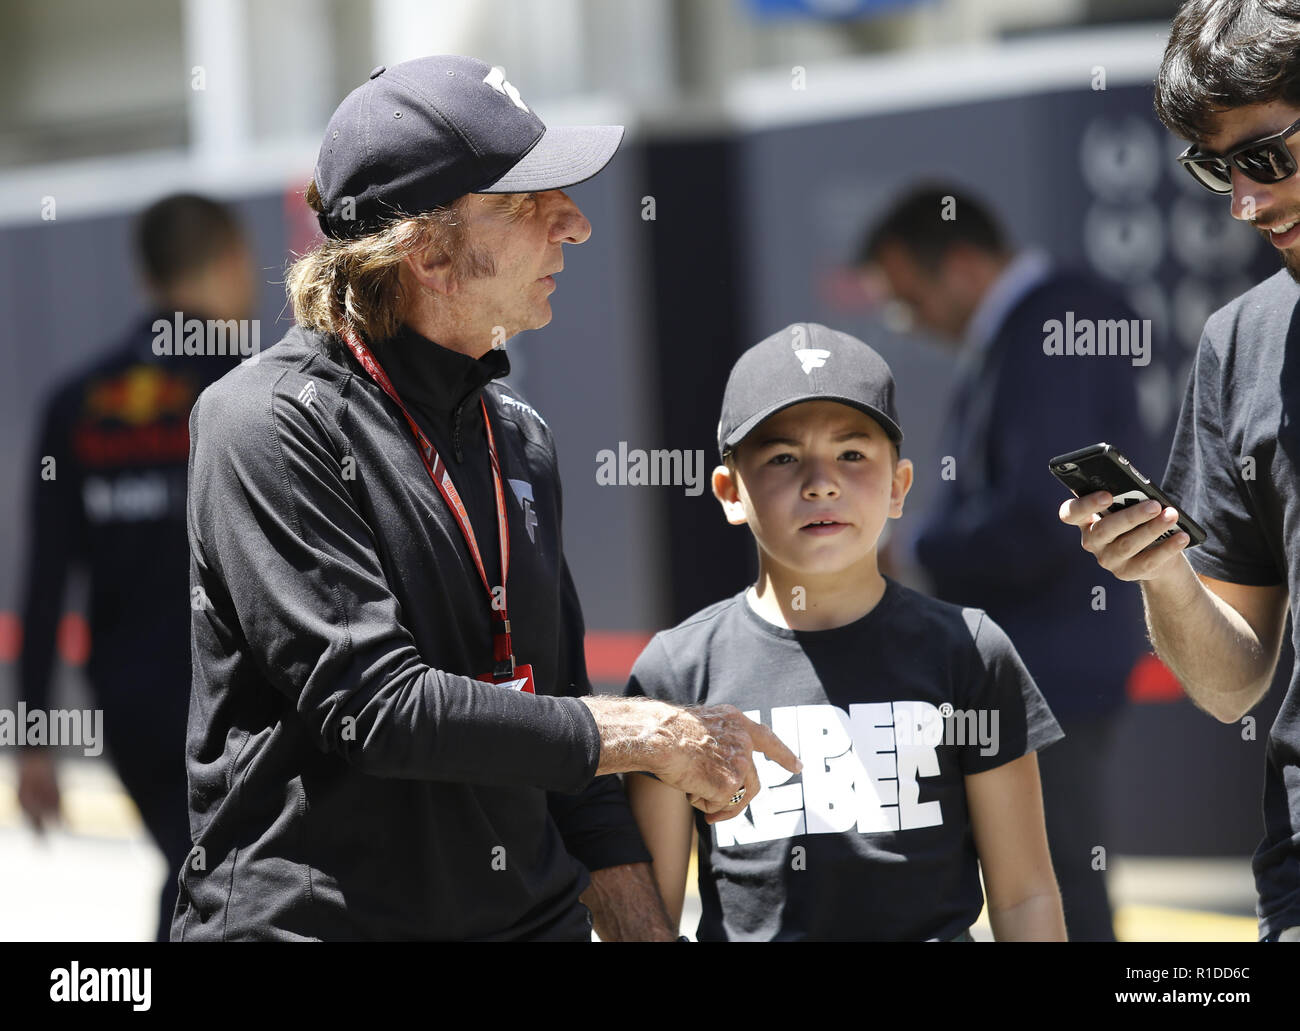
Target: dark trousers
[[1074, 774]]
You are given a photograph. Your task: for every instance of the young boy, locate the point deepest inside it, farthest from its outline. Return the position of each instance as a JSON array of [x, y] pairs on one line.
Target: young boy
[[916, 721]]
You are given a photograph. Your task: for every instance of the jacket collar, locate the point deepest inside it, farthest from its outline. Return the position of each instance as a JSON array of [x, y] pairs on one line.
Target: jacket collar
[[433, 377]]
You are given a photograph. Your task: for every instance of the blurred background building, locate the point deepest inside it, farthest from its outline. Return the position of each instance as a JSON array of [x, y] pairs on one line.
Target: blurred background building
[[764, 137]]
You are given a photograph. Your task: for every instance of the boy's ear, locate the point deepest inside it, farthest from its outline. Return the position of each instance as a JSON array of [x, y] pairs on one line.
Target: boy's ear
[[903, 474], [726, 491]]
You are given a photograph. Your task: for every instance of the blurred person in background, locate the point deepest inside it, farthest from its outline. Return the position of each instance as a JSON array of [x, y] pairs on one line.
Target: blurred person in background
[[114, 508], [941, 255]]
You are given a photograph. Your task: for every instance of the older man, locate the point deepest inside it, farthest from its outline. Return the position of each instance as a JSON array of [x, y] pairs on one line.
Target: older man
[[390, 734]]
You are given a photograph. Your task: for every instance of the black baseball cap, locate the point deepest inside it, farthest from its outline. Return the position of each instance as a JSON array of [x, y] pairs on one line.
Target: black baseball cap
[[422, 133], [805, 362]]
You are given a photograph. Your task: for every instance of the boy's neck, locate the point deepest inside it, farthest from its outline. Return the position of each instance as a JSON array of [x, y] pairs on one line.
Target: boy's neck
[[802, 601]]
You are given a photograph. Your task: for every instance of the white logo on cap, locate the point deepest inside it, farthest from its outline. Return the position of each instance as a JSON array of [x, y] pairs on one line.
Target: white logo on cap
[[496, 78], [812, 358]]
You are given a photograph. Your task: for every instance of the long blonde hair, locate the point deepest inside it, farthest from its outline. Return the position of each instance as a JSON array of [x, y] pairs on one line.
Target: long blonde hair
[[354, 284]]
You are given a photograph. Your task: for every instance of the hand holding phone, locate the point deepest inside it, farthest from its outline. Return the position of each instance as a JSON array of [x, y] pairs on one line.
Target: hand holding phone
[[1135, 539], [1103, 468]]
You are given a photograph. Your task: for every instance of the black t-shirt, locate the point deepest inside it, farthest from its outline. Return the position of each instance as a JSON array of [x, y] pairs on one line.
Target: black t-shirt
[[889, 714], [1233, 466]]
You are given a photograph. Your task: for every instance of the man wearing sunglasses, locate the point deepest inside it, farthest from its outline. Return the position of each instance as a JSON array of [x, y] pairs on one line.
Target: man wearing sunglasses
[[1230, 84], [1260, 161]]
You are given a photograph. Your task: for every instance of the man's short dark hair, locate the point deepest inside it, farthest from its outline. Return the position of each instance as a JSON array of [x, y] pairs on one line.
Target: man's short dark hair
[[928, 222], [181, 234], [1225, 54]]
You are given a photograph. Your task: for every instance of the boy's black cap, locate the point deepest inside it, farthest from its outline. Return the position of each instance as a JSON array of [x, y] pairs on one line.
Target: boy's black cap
[[805, 362], [422, 133]]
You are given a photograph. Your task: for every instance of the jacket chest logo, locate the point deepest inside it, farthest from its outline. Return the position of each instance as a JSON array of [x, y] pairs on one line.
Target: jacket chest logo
[[524, 494]]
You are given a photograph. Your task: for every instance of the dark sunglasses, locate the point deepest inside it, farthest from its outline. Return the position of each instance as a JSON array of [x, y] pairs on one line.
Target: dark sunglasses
[[1267, 160]]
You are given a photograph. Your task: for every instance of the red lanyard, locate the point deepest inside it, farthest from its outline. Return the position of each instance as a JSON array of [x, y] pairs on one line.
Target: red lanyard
[[502, 653]]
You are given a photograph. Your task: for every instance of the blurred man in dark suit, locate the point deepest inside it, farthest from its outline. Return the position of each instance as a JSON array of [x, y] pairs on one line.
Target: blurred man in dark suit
[[1023, 394]]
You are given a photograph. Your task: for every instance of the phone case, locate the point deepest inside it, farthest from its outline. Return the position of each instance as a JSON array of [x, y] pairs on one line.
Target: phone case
[[1102, 467]]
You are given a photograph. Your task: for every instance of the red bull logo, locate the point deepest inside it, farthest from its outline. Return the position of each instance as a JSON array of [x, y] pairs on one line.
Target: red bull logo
[[139, 417], [142, 394]]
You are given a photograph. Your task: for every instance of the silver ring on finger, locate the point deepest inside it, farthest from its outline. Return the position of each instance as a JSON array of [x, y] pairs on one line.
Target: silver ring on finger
[[738, 797]]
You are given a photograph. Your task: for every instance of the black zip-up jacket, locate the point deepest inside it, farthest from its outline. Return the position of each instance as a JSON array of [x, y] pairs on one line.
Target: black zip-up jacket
[[348, 776]]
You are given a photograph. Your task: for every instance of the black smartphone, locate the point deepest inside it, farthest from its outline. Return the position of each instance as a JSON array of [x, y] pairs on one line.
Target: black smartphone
[[1101, 467]]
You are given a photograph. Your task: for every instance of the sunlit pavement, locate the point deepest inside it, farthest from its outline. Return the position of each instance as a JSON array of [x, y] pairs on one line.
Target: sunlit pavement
[[97, 877]]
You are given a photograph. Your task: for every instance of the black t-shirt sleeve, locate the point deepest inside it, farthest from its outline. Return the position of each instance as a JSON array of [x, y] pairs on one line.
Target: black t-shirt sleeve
[[653, 676], [1003, 699], [1206, 477]]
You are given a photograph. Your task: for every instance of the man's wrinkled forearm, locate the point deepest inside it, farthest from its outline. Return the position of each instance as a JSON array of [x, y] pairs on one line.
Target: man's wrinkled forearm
[[633, 733], [626, 906]]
